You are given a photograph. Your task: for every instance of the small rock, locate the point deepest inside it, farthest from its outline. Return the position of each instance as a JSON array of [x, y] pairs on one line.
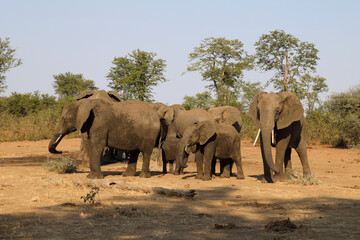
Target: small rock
[[187, 186], [35, 199]]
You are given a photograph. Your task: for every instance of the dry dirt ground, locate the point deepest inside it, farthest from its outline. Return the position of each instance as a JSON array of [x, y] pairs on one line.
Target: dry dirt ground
[[38, 204]]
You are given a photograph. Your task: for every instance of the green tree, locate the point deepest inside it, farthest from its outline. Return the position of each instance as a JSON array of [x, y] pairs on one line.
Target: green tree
[[7, 61], [70, 85], [311, 88], [201, 100], [287, 56], [134, 75], [344, 117], [247, 92], [221, 62]]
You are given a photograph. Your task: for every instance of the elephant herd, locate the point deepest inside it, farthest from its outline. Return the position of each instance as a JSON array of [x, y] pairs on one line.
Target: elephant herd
[[139, 127]]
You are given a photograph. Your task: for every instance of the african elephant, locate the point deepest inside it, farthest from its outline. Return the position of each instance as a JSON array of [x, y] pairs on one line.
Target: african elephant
[[228, 115], [179, 120], [224, 145], [283, 113], [169, 150], [131, 126], [110, 96]]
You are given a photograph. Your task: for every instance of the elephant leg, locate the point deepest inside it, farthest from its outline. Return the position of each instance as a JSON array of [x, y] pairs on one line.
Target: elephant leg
[[302, 152], [145, 170], [164, 161], [131, 167], [287, 161], [225, 166], [209, 153], [95, 152], [213, 166], [281, 152], [199, 164], [83, 155], [171, 166]]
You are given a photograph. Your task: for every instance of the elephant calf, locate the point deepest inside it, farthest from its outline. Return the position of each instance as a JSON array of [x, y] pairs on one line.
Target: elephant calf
[[224, 145], [169, 149]]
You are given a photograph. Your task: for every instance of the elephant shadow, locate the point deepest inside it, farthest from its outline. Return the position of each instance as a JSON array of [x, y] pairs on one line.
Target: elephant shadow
[[258, 177]]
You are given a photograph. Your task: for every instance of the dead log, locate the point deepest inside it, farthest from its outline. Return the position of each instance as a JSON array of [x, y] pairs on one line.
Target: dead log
[[120, 184]]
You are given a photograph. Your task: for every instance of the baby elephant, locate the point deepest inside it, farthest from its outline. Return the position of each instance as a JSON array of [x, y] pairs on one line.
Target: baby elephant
[[224, 145], [169, 150]]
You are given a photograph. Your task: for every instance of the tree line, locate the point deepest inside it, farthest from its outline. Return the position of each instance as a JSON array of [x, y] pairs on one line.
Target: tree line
[[221, 63]]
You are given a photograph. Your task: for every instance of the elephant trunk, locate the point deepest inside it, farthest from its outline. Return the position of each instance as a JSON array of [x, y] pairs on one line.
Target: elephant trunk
[[180, 155], [55, 140], [266, 148]]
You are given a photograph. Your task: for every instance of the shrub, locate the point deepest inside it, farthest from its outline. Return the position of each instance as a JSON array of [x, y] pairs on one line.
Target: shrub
[[64, 165], [344, 117]]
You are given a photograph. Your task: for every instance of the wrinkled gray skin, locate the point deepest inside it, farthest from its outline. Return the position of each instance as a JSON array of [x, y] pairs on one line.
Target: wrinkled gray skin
[[225, 145], [284, 113], [231, 116], [179, 120], [170, 148], [227, 114], [110, 96], [130, 126]]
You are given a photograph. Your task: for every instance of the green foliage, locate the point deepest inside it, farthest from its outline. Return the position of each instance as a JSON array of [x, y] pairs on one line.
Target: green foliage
[[287, 56], [70, 85], [7, 61], [318, 128], [343, 110], [63, 165], [311, 87], [134, 75], [247, 91], [90, 197], [201, 100], [30, 116], [25, 104], [221, 62]]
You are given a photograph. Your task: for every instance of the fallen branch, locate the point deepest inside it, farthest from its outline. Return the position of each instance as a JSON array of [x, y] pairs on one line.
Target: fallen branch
[[120, 184]]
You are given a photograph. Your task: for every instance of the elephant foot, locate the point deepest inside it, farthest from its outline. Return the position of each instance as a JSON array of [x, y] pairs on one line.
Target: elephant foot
[[267, 179], [281, 177], [225, 175], [240, 176], [95, 175], [199, 176], [176, 172], [145, 174], [206, 178], [129, 173], [307, 175]]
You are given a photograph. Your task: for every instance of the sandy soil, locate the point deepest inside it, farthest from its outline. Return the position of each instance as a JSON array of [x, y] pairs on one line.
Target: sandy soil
[[38, 204]]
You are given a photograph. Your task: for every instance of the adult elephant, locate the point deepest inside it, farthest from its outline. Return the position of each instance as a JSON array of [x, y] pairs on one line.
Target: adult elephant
[[227, 115], [130, 126], [225, 145], [283, 113], [110, 96], [179, 120]]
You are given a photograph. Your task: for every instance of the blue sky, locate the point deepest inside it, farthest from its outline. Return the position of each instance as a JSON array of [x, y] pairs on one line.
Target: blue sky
[[53, 37]]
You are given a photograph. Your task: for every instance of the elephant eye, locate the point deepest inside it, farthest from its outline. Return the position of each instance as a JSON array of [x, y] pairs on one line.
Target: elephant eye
[[277, 110]]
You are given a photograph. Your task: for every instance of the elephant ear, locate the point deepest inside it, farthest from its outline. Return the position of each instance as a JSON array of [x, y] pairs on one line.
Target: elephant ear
[[85, 94], [166, 113], [114, 95], [292, 110], [206, 130], [253, 112], [83, 113]]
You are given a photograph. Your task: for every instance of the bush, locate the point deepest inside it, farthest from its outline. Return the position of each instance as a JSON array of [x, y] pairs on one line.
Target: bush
[[63, 165], [343, 111]]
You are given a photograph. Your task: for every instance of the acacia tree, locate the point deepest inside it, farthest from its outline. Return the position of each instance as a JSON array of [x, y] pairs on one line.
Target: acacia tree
[[70, 85], [200, 100], [7, 61], [134, 75], [287, 56], [221, 62]]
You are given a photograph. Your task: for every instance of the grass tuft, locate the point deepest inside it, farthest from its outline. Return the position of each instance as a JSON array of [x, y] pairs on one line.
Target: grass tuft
[[63, 165]]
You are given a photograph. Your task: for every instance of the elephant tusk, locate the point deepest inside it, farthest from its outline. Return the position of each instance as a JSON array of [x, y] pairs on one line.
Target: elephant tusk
[[60, 136], [257, 137], [272, 137]]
